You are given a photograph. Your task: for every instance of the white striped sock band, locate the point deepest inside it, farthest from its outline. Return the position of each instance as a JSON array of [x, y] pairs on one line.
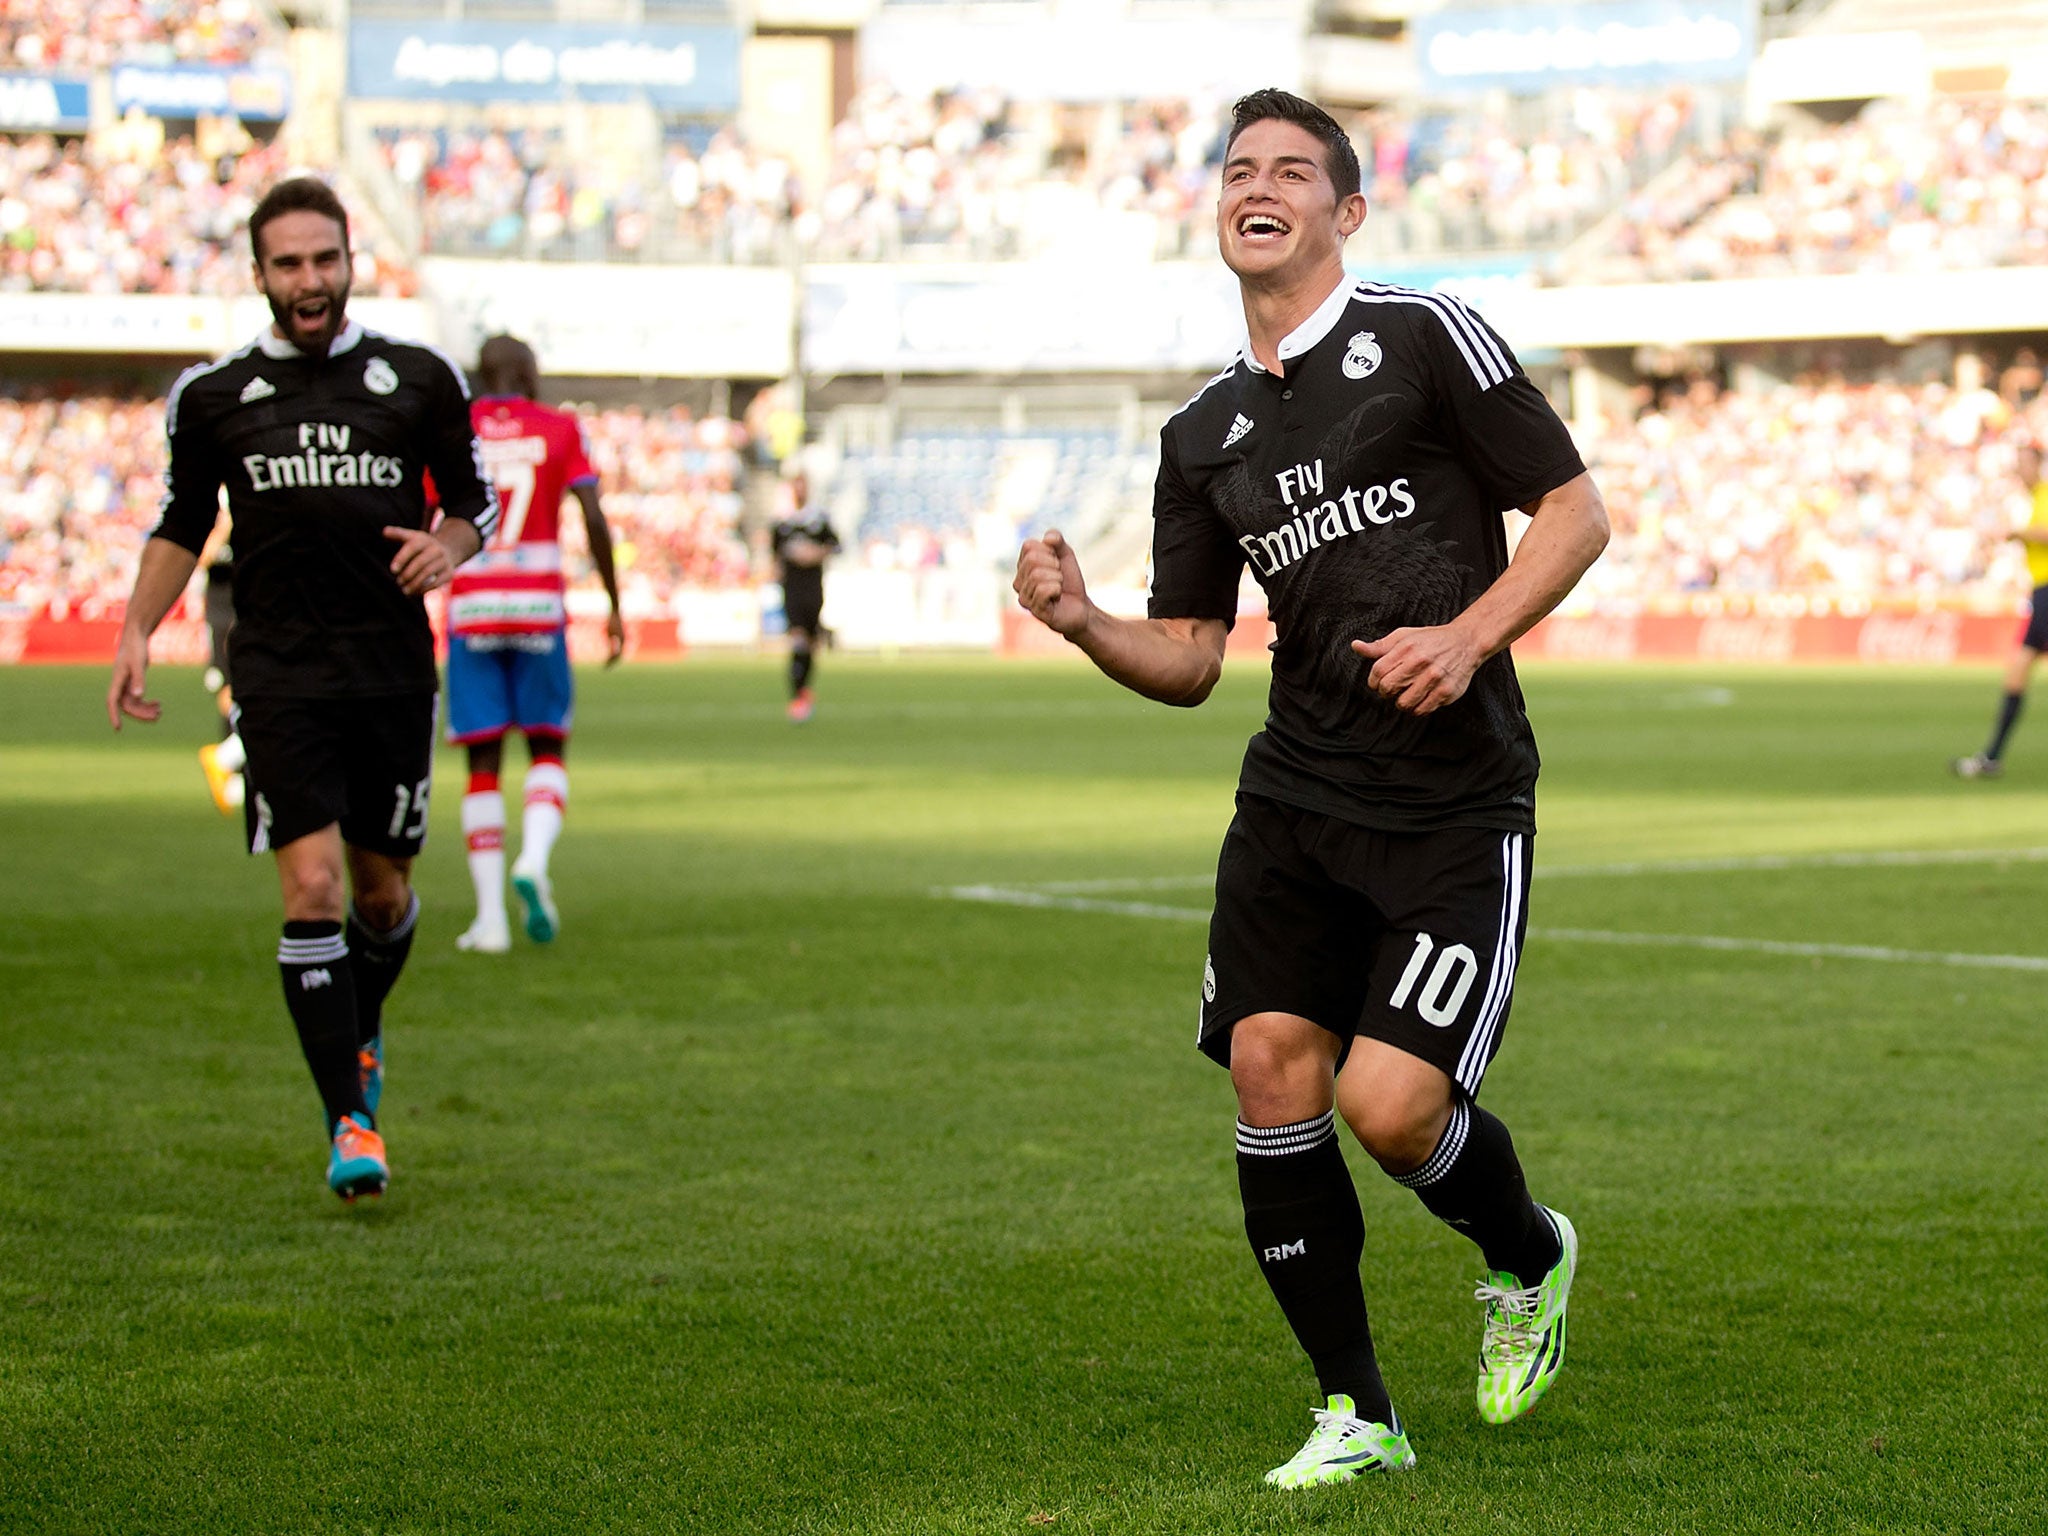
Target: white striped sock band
[[394, 934], [1282, 1140], [321, 951], [1446, 1152]]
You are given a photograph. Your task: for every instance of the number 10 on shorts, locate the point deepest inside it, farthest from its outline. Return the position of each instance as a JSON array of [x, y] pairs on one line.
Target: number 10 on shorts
[[1448, 984]]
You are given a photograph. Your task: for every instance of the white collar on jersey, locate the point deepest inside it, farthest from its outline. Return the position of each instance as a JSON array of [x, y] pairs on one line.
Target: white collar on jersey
[[1310, 331], [274, 345]]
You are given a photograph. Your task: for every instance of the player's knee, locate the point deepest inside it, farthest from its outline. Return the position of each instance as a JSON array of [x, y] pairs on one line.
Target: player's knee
[[384, 907], [1399, 1133], [1280, 1069], [314, 894]]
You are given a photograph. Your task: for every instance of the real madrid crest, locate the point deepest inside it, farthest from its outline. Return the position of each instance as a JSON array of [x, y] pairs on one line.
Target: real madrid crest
[[1363, 356], [380, 378]]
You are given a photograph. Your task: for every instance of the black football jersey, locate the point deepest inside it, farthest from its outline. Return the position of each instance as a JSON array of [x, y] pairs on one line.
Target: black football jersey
[[805, 524], [1365, 490], [319, 455]]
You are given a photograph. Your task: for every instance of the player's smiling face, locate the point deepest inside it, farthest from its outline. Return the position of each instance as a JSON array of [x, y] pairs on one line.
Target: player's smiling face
[[1279, 218], [304, 273]]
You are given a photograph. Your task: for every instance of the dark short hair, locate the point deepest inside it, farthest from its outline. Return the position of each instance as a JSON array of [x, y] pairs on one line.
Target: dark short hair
[[1340, 160], [299, 194], [504, 363]]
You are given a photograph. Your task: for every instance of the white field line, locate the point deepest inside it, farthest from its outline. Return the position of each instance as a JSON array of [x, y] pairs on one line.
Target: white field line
[[1788, 947], [1061, 896], [1875, 859]]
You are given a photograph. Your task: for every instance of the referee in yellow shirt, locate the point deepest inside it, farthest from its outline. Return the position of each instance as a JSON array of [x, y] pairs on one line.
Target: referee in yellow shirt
[[1990, 763]]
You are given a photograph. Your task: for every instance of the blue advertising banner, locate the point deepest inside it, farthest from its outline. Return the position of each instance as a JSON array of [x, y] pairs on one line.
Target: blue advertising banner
[[680, 68], [45, 103], [195, 90], [1529, 49]]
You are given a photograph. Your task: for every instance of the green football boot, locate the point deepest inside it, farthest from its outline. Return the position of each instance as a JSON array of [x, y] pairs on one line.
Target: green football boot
[[1342, 1447], [1522, 1350]]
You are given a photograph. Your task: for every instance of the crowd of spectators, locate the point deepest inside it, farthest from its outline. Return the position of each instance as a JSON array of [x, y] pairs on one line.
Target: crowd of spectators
[[978, 175], [671, 484], [1489, 182], [81, 479], [136, 211], [1818, 487], [523, 192], [1955, 185], [94, 34]]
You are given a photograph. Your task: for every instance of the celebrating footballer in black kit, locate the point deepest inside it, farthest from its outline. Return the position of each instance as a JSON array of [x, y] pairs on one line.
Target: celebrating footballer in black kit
[[321, 431], [1371, 893]]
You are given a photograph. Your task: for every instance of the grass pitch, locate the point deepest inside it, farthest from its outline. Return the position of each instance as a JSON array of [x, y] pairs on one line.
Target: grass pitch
[[783, 1194]]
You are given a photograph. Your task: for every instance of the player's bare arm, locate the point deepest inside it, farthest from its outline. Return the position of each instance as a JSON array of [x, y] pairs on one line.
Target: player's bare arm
[[428, 560], [159, 582], [598, 534], [1175, 661], [1421, 670]]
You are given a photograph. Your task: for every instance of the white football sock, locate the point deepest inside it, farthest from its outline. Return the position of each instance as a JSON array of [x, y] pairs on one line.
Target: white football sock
[[483, 828], [547, 800]]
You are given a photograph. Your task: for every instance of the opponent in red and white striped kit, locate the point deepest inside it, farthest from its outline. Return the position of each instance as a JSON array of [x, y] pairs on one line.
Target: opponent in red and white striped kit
[[508, 654]]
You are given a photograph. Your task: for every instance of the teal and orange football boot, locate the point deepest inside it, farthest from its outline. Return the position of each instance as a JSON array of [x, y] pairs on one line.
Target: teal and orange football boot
[[355, 1164]]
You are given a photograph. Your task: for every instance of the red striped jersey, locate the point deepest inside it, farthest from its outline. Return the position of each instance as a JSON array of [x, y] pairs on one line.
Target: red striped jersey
[[532, 453]]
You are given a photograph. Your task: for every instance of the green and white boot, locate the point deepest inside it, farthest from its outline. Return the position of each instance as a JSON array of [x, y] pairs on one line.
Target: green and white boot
[[1343, 1446], [1522, 1350]]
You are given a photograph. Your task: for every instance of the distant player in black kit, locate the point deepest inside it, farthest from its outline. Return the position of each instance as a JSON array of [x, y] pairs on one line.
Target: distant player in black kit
[[321, 431], [802, 542], [1371, 892]]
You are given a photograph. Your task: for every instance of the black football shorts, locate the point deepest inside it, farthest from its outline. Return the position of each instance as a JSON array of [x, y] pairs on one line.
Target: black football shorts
[[2035, 636], [803, 596], [365, 763], [1406, 937]]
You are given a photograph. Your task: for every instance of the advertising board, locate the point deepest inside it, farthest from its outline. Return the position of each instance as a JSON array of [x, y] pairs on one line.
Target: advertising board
[[680, 69], [45, 103], [1532, 48]]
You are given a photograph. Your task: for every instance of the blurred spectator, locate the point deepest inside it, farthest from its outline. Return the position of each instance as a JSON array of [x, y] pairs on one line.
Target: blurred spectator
[[93, 34]]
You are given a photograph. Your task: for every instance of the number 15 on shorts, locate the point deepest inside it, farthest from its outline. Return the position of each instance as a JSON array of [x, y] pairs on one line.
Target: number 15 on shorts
[[1437, 980]]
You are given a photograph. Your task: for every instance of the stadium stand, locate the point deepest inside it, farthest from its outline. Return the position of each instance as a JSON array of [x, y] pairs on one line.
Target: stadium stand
[[1955, 185], [521, 192], [94, 34], [140, 211], [81, 478], [975, 175], [1820, 487]]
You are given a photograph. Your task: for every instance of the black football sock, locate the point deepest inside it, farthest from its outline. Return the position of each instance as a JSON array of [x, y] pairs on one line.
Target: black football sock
[[320, 991], [1301, 1215], [1473, 1182], [799, 668], [2008, 717], [376, 959]]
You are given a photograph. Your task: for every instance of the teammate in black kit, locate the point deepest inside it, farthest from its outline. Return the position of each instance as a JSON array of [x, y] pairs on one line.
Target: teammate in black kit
[[1371, 891], [802, 542], [321, 431]]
